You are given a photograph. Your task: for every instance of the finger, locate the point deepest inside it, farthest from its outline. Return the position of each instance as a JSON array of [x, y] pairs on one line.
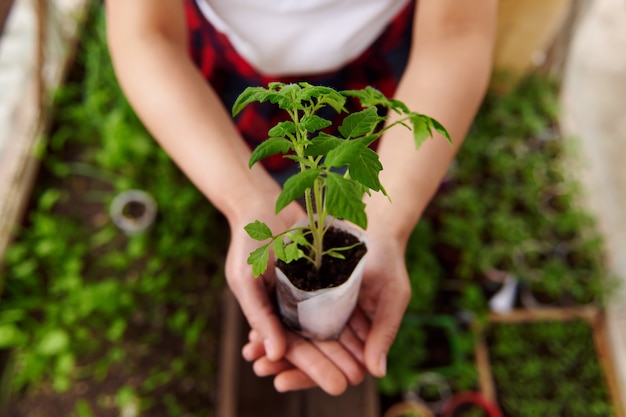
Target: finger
[[265, 367], [260, 314], [360, 324], [353, 344], [293, 380], [385, 324], [351, 368], [316, 365], [253, 351]]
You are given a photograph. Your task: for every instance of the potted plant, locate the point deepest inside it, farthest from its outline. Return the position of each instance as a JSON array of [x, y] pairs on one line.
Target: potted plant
[[335, 171]]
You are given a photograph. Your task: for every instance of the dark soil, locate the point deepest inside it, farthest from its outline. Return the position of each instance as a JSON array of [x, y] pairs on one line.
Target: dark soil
[[334, 271]]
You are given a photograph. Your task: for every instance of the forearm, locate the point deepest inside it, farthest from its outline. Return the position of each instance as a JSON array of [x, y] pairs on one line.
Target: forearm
[[188, 120], [445, 79]]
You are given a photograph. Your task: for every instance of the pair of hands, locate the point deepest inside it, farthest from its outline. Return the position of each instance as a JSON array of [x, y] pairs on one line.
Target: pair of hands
[[297, 363]]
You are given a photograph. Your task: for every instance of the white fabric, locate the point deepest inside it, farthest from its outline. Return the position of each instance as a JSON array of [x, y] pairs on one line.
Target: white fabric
[[288, 37]]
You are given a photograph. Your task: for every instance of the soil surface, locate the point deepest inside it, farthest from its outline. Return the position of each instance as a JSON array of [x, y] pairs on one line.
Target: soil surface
[[334, 271]]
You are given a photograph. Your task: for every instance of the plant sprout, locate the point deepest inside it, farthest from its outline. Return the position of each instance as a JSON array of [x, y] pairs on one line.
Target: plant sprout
[[335, 172]]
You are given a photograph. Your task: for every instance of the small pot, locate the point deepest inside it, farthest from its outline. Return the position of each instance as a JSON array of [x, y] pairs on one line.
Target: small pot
[[321, 314], [133, 211]]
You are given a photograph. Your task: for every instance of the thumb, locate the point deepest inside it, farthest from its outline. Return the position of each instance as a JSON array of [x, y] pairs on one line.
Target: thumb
[[385, 324], [253, 298]]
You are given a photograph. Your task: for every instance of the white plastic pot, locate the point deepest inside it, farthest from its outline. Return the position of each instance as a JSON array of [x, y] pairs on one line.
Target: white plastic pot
[[133, 211], [321, 314]]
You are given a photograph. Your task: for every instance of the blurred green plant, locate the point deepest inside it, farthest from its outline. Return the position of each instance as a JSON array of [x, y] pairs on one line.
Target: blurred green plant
[[82, 300], [506, 205], [548, 368]]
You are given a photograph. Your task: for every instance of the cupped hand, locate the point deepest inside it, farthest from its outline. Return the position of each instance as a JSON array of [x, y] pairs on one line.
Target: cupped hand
[[297, 362], [384, 296], [332, 365], [253, 294]]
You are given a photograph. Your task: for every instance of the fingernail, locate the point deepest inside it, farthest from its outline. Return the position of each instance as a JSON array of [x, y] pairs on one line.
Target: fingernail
[[382, 365], [269, 349]]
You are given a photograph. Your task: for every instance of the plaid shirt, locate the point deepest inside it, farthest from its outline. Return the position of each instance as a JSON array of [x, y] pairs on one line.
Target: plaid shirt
[[380, 66]]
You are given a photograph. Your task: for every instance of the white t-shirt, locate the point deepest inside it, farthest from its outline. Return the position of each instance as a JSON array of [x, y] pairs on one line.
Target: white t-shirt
[[289, 37]]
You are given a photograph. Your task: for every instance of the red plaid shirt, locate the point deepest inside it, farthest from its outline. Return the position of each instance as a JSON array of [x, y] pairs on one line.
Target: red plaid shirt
[[380, 66]]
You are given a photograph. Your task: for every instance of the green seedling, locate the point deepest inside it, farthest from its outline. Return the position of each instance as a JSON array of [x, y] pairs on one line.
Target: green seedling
[[335, 171]]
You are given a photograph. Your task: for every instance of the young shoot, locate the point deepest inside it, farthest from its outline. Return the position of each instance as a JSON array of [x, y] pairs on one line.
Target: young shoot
[[335, 171]]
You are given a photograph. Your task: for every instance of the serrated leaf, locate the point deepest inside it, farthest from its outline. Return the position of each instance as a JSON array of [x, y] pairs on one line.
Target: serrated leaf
[[315, 123], [398, 106], [346, 152], [293, 252], [421, 128], [282, 129], [295, 186], [322, 144], [258, 230], [279, 249], [441, 130], [344, 200], [324, 96], [360, 123], [287, 97], [250, 95], [369, 97], [269, 147], [365, 169], [259, 259]]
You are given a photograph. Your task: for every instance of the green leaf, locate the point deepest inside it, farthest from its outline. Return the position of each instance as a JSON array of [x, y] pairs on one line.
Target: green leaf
[[250, 95], [344, 200], [288, 97], [54, 342], [421, 128], [360, 123], [279, 249], [365, 169], [335, 254], [322, 144], [259, 259], [315, 123], [258, 230], [324, 96], [293, 252], [370, 97], [282, 129], [295, 186], [346, 152], [441, 130], [269, 147]]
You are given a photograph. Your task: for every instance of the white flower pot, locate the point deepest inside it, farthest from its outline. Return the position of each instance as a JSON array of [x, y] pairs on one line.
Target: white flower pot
[[321, 314]]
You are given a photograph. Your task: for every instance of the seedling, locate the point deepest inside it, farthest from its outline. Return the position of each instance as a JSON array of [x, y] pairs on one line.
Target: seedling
[[335, 171]]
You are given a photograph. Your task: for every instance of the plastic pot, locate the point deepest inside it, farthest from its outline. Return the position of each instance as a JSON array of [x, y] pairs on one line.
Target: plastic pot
[[133, 211], [320, 314]]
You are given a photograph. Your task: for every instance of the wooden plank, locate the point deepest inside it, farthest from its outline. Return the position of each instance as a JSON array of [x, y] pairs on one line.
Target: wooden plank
[[593, 315], [605, 357], [536, 314], [18, 159], [243, 394], [5, 7]]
